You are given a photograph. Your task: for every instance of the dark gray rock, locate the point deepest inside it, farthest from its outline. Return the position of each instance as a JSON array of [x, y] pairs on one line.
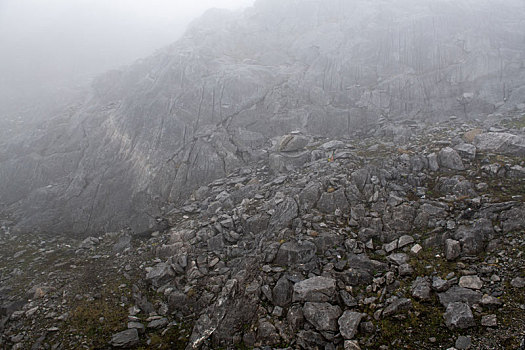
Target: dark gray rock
[[518, 282], [459, 315], [349, 323], [323, 316], [291, 253], [329, 202], [459, 294], [421, 288], [285, 212], [267, 334], [317, 289], [463, 342], [452, 249], [125, 339], [282, 292], [397, 306]]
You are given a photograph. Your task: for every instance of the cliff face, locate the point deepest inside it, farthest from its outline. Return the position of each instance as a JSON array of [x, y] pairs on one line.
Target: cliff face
[[150, 134]]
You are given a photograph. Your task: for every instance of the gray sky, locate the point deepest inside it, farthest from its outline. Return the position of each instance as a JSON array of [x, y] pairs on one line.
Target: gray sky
[[48, 41]]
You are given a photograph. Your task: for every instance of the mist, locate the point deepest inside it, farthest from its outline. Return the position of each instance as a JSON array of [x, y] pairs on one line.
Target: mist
[[55, 45]]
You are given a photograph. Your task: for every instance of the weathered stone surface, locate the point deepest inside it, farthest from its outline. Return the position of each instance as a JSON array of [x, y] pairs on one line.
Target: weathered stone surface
[[349, 323], [291, 253], [421, 288], [466, 150], [502, 143], [318, 289], [518, 282], [471, 282], [329, 202], [282, 292], [450, 159], [397, 306], [351, 345], [463, 342], [489, 321], [125, 339], [452, 249], [459, 294], [323, 316], [285, 212], [459, 315]]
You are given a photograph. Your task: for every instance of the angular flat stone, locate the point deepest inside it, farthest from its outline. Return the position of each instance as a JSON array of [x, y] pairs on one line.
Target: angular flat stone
[[489, 321], [459, 294], [349, 323], [291, 253], [421, 288], [471, 282], [404, 241], [323, 316], [317, 289], [452, 249], [459, 315], [397, 306], [398, 258], [125, 339]]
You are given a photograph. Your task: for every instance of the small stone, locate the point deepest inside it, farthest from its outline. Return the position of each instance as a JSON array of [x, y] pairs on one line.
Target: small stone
[[125, 339], [490, 301], [463, 343], [161, 322], [518, 282], [405, 240], [352, 345], [471, 282], [405, 270], [398, 258], [458, 315], [348, 324], [421, 289], [452, 249], [277, 311], [489, 321], [390, 247], [416, 249], [317, 289], [323, 316]]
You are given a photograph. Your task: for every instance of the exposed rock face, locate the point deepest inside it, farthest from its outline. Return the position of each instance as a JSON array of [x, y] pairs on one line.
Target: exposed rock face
[[152, 133]]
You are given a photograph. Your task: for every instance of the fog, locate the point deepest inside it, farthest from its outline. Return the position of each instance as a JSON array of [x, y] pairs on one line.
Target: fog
[[50, 45]]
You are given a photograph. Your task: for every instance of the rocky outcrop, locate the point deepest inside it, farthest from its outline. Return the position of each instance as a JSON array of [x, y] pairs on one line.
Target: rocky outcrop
[[147, 136]]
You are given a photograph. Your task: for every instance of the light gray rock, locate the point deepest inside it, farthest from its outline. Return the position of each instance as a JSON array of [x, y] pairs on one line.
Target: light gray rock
[[404, 241], [502, 143], [351, 345], [330, 202], [518, 282], [317, 289], [421, 288], [323, 316], [489, 321], [450, 159], [398, 258], [459, 315], [471, 282], [466, 150], [349, 323]]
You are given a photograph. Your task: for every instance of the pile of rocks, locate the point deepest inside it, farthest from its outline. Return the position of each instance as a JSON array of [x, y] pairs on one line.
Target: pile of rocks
[[328, 244]]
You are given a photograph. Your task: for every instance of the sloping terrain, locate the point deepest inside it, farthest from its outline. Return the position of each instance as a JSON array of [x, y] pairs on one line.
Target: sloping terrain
[[146, 136], [410, 238]]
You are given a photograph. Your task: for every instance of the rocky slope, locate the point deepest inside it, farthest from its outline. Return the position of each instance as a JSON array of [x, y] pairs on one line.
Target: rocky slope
[[146, 136], [412, 237]]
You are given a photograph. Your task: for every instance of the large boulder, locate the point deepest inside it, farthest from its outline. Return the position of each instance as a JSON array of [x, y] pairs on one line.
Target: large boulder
[[502, 143]]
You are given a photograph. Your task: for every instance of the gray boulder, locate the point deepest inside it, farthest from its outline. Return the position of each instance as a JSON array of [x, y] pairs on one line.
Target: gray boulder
[[125, 339], [323, 316], [349, 323], [450, 159], [318, 289], [502, 143], [459, 315], [291, 253]]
